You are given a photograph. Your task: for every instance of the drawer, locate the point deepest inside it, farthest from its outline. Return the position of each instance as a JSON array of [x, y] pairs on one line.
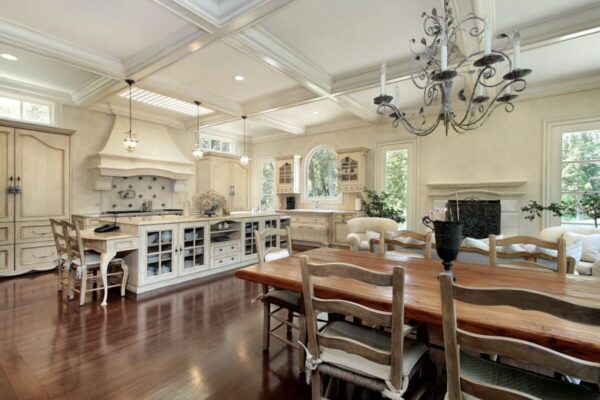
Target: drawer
[[34, 231], [227, 248], [7, 257], [305, 219], [225, 260], [343, 218], [88, 222], [6, 233], [35, 256]]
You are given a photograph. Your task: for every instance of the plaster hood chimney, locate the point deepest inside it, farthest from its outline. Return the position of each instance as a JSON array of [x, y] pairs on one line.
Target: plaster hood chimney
[[156, 155]]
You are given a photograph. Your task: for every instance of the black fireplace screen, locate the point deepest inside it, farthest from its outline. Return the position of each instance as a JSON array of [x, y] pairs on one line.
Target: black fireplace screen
[[481, 217]]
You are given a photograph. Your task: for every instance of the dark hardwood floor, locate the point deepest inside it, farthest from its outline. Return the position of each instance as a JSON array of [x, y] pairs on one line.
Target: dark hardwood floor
[[200, 341]]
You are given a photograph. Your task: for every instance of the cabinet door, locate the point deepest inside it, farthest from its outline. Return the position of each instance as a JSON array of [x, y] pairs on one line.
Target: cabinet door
[[7, 259], [42, 170], [7, 162], [193, 250], [239, 181], [159, 252], [220, 173], [271, 241], [249, 243]]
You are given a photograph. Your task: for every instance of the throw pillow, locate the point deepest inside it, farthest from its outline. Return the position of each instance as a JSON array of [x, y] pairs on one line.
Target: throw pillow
[[590, 244]]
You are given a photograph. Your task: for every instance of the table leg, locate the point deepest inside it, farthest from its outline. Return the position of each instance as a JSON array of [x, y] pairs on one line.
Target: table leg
[[105, 258]]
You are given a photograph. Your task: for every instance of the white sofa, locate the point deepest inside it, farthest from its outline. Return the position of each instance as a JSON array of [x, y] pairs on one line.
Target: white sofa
[[590, 244], [363, 229]]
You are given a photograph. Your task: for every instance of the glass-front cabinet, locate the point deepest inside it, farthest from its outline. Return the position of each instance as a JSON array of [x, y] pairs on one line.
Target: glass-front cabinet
[[249, 242], [193, 254], [288, 174], [158, 247], [271, 241], [352, 169]]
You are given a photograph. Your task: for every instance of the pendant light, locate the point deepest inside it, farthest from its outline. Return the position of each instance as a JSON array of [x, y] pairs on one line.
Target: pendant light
[[244, 158], [130, 142], [197, 151]]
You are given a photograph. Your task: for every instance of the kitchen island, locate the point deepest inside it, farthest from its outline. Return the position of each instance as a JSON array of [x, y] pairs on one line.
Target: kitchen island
[[174, 249]]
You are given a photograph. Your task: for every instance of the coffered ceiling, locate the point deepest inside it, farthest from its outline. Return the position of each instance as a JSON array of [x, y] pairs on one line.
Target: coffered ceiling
[[307, 65]]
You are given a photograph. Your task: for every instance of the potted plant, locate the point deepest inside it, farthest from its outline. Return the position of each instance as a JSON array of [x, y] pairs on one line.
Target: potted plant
[[383, 205], [448, 234], [209, 202]]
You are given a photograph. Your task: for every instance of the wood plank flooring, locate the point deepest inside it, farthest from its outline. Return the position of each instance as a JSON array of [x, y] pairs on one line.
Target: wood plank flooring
[[200, 341]]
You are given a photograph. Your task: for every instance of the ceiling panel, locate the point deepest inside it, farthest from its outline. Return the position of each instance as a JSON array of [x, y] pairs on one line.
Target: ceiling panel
[[565, 60], [314, 113], [254, 129], [516, 14], [40, 71], [112, 27], [344, 35], [409, 97], [213, 68]]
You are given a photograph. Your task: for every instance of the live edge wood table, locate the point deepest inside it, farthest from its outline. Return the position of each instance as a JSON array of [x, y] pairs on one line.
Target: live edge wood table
[[422, 295]]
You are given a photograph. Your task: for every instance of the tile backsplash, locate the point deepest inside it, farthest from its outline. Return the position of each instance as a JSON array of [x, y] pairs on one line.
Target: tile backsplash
[[128, 193]]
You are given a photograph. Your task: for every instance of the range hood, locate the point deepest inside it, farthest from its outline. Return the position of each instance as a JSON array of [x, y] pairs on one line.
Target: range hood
[[156, 155]]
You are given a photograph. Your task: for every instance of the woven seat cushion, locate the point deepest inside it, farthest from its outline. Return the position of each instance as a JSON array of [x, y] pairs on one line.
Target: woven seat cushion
[[285, 296], [491, 373], [413, 350]]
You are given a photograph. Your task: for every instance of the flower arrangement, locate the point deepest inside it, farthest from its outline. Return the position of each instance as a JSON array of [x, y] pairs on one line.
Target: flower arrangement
[[429, 217], [209, 202]]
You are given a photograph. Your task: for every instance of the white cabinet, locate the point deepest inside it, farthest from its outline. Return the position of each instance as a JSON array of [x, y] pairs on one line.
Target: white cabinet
[[352, 169], [193, 248], [34, 186], [249, 227], [158, 255], [288, 174], [224, 174]]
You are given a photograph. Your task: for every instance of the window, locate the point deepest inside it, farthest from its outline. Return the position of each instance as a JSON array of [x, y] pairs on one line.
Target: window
[[580, 172], [267, 184], [38, 112], [321, 174], [395, 172], [572, 172], [216, 144]]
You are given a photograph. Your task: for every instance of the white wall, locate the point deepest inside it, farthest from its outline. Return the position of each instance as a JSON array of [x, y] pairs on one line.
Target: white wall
[[508, 147]]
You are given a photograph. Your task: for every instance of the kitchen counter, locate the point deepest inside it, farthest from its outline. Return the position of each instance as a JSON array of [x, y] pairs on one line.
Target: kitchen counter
[[316, 211], [167, 219]]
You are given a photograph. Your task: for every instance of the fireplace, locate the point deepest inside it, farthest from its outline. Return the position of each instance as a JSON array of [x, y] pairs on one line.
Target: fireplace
[[481, 218]]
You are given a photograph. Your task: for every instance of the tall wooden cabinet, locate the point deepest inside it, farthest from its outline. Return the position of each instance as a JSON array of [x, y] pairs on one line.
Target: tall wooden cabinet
[[352, 172], [35, 174], [288, 174], [224, 174]]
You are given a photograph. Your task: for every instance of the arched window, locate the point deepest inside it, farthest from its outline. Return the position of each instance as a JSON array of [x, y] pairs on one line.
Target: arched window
[[321, 174]]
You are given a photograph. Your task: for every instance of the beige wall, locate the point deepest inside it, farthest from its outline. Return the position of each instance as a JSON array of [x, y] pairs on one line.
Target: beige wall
[[508, 147]]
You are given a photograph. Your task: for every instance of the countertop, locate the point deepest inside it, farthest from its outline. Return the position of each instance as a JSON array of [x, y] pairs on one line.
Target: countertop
[[316, 211], [175, 219]]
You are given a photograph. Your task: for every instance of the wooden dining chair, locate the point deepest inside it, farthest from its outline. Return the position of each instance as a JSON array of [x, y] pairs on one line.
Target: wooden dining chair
[[545, 255], [369, 357], [86, 264], [62, 254], [276, 300], [485, 379], [403, 243]]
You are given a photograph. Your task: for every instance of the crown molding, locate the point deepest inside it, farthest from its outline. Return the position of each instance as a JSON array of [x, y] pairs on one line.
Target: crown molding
[[280, 124], [28, 89], [88, 93], [15, 35], [113, 109], [357, 107], [268, 138]]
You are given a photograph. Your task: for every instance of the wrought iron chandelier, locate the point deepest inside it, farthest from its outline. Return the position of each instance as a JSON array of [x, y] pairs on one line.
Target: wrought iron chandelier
[[496, 79]]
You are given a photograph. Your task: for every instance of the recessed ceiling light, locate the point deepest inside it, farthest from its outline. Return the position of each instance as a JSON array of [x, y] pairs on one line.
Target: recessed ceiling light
[[239, 78], [315, 113], [9, 57]]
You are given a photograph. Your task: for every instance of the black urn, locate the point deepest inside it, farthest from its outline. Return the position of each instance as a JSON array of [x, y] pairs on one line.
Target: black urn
[[447, 241]]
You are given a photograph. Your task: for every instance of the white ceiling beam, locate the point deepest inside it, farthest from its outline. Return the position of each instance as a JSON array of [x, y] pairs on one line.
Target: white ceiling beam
[[56, 49], [28, 89], [280, 124], [114, 109], [357, 107]]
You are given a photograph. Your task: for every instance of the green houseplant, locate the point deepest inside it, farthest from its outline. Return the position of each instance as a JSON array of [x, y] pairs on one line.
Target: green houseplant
[[588, 205], [383, 205]]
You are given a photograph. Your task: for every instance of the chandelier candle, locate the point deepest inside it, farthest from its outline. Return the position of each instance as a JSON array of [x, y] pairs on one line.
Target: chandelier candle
[[517, 50], [382, 79]]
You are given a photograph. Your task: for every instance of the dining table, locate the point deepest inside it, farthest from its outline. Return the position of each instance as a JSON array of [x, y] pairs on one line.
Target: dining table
[[422, 295]]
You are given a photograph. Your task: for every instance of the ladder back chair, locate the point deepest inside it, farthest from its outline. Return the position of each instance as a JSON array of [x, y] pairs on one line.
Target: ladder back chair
[[275, 300], [403, 243], [486, 379], [545, 255], [62, 253], [86, 264], [369, 357]]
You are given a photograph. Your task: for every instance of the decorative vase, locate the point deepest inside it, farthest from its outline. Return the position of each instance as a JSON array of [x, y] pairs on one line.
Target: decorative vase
[[447, 241]]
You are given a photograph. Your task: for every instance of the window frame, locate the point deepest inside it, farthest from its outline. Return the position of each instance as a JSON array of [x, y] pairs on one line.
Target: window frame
[[53, 108], [259, 179], [411, 194], [322, 200], [220, 139], [552, 162]]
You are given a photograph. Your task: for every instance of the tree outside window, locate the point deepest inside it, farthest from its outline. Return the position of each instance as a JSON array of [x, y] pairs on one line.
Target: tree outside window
[[322, 174], [580, 172], [396, 177]]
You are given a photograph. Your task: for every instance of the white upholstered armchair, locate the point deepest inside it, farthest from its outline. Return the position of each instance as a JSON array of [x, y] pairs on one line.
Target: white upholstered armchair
[[590, 245], [363, 229]]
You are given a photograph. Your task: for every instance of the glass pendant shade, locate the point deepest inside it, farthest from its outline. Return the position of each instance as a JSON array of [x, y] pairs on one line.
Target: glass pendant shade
[[198, 153], [244, 159]]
